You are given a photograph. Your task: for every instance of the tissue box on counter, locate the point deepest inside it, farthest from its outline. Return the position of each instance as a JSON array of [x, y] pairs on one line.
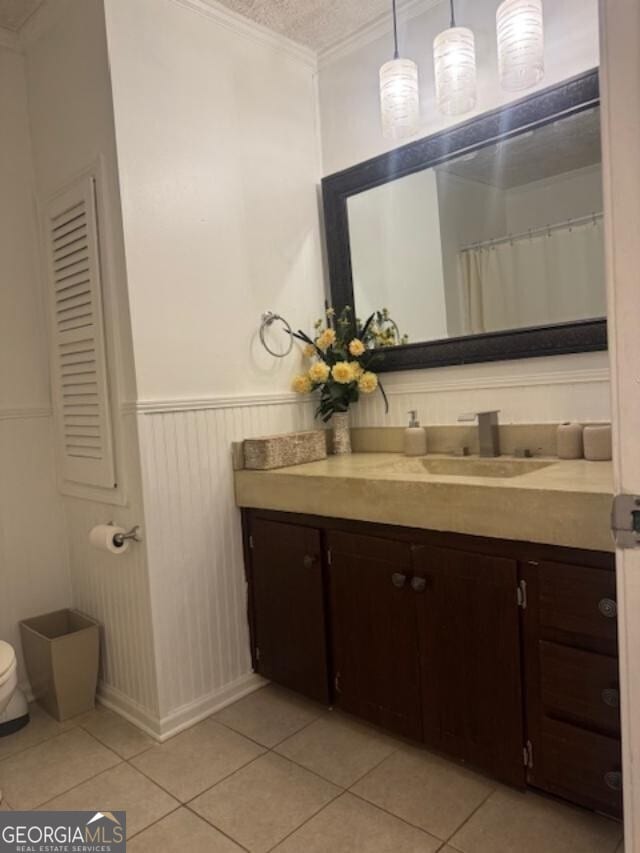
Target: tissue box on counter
[[279, 451]]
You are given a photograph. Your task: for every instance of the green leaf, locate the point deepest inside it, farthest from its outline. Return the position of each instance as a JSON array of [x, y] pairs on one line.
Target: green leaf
[[384, 397]]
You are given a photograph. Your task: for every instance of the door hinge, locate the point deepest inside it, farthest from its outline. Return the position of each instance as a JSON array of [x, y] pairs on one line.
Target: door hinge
[[328, 556], [527, 754], [521, 594], [251, 542], [336, 683], [257, 654], [625, 521]]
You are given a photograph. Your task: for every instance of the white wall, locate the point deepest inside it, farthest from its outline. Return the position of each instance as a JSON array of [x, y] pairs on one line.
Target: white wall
[[33, 559], [546, 202], [350, 132], [219, 164], [71, 120], [219, 161]]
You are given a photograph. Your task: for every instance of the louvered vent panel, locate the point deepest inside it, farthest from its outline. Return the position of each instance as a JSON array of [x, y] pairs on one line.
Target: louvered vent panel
[[78, 357]]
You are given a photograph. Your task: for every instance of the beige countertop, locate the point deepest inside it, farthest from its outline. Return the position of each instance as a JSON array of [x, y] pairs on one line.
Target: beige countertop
[[566, 503]]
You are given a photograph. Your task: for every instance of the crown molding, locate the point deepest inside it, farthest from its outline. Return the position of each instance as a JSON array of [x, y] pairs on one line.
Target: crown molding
[[52, 10], [250, 29], [376, 29], [194, 404], [9, 40]]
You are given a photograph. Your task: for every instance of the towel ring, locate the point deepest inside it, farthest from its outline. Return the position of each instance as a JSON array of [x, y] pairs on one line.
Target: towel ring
[[268, 318]]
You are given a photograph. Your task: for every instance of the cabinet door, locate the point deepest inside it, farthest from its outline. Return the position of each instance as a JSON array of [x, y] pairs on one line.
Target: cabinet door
[[374, 631], [468, 627], [288, 607]]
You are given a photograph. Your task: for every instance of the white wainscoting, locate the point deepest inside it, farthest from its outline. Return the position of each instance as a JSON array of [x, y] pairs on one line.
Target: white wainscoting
[[194, 543], [34, 573], [115, 590], [192, 527], [545, 390]]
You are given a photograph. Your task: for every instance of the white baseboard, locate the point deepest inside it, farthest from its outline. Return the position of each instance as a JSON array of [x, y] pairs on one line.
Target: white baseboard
[[182, 718], [186, 716], [134, 713]]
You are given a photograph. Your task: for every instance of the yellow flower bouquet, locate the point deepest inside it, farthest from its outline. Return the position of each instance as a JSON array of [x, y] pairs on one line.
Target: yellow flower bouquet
[[342, 353]]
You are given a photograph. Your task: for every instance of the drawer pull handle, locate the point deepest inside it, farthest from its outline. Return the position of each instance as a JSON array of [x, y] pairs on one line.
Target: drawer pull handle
[[418, 584], [613, 780], [608, 608], [398, 580], [611, 697]]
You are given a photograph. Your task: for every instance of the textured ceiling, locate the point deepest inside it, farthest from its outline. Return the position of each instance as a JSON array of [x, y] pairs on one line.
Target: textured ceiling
[[13, 13], [567, 144], [316, 23]]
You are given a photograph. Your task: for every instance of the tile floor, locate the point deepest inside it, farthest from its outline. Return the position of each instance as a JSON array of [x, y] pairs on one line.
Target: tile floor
[[275, 772]]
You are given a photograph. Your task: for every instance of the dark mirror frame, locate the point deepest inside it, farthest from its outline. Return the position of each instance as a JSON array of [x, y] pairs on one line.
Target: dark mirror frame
[[568, 98]]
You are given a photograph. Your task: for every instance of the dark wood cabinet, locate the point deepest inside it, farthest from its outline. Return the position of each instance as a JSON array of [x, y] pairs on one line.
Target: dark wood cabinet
[[288, 609], [577, 605], [469, 642], [373, 620], [592, 701], [572, 687], [500, 654]]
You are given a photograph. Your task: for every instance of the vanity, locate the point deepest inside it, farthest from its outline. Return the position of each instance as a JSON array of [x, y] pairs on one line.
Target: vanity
[[495, 650], [465, 603]]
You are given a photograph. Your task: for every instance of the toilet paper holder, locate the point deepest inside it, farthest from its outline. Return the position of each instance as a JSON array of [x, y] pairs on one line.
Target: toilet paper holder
[[120, 538]]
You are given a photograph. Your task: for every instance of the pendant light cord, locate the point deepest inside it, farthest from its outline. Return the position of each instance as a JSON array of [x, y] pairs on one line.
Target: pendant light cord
[[453, 15], [396, 53]]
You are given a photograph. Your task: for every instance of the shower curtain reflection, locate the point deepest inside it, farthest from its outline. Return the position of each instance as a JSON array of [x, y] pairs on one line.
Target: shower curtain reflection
[[537, 279]]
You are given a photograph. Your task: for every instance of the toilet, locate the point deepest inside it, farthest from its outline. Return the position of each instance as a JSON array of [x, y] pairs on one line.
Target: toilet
[[14, 711]]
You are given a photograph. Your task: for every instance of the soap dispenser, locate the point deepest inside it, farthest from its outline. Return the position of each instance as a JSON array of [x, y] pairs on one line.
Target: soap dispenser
[[415, 437]]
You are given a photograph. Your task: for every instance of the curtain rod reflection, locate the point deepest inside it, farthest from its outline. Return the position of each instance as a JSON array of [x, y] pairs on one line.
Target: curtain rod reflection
[[533, 232]]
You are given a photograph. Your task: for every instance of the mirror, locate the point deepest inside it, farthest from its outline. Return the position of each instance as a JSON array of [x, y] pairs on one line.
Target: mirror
[[506, 237], [499, 242]]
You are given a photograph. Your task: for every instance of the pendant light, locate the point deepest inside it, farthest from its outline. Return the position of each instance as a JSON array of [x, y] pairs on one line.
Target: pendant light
[[454, 58], [520, 30], [399, 96]]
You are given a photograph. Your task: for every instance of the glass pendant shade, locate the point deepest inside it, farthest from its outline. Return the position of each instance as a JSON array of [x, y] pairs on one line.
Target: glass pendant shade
[[520, 30], [454, 56], [399, 98]]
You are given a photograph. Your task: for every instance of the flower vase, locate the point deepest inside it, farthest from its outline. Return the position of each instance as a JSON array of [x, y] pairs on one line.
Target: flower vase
[[341, 433]]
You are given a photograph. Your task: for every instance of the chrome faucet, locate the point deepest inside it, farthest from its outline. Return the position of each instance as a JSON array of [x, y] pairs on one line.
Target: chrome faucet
[[488, 431]]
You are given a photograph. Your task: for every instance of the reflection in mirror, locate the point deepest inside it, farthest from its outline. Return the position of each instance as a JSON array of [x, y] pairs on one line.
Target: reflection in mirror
[[505, 237]]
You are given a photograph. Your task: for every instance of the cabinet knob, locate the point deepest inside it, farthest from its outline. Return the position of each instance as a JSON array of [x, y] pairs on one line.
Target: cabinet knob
[[418, 584], [309, 561], [398, 580], [611, 697], [608, 608], [613, 780]]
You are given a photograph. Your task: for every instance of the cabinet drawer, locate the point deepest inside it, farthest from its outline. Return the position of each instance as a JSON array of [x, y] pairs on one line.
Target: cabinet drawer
[[581, 687], [578, 606], [579, 765]]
